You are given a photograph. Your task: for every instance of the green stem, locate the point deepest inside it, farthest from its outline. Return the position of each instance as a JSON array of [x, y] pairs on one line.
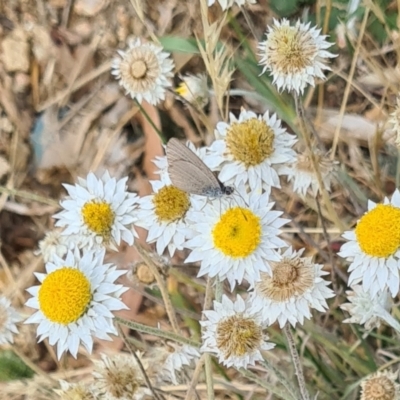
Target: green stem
[[296, 362], [293, 392], [263, 383], [209, 377], [218, 289], [147, 116], [157, 332]]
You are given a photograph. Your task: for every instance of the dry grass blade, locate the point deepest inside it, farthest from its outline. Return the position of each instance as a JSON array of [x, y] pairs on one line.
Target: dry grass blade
[[217, 58]]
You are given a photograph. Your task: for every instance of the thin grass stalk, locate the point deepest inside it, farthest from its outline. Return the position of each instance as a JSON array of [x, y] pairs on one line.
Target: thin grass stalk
[[271, 388], [296, 362], [195, 378], [136, 326], [324, 193], [146, 378], [218, 289], [328, 240], [161, 284], [150, 121], [348, 84], [249, 22], [293, 391], [209, 377]]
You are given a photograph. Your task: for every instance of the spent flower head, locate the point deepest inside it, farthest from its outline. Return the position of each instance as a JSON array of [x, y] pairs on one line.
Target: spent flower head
[[295, 55], [373, 247], [9, 317], [99, 209], [178, 361], [296, 286], [250, 149], [75, 300], [301, 173], [118, 377], [364, 309], [234, 333], [381, 385], [143, 70], [76, 391], [235, 240]]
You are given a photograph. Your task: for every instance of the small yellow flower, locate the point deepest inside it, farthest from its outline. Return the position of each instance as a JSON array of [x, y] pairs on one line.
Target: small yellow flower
[[194, 90]]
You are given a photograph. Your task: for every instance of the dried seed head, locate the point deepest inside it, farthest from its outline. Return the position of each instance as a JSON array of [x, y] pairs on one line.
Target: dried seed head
[[380, 386], [143, 70]]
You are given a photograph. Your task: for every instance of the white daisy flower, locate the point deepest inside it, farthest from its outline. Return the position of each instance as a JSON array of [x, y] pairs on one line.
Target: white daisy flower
[[118, 377], [381, 385], [235, 240], [163, 215], [295, 55], [9, 317], [100, 210], [234, 333], [78, 391], [302, 174], [182, 357], [295, 287], [225, 4], [373, 247], [194, 89], [143, 71], [368, 311], [75, 299], [249, 149]]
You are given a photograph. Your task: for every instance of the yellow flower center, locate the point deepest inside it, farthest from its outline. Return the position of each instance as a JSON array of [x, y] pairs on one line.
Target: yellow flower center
[[378, 231], [250, 141], [98, 217], [237, 336], [290, 50], [238, 232], [182, 89], [65, 295], [170, 204]]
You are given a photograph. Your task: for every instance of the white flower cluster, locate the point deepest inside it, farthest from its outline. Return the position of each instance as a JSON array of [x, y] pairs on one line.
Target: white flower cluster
[[233, 238]]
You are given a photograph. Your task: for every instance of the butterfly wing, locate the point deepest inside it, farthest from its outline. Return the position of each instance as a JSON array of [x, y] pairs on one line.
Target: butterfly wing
[[188, 172]]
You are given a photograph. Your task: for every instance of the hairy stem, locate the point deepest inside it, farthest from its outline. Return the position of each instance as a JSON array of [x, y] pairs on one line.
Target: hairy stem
[[161, 284], [296, 362]]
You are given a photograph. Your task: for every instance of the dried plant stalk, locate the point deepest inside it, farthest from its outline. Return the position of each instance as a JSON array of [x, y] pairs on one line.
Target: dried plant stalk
[[217, 61]]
